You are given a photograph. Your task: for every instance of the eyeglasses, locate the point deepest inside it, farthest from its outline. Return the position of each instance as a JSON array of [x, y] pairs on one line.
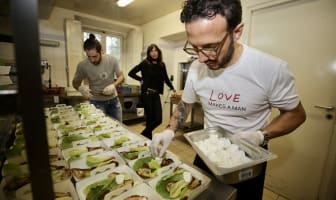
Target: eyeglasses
[[207, 51]]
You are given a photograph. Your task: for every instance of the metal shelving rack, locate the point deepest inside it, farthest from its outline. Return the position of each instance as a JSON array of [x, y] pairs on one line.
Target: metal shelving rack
[[27, 98]]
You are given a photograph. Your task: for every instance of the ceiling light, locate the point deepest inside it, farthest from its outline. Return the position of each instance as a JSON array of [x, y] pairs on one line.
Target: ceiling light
[[123, 3]]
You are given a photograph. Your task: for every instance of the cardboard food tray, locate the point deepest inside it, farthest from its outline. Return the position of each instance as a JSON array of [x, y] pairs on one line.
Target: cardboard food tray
[[87, 138], [25, 193], [66, 153], [236, 174], [76, 130], [137, 144], [81, 163], [81, 185], [112, 132], [142, 190], [162, 170], [195, 173], [110, 142]]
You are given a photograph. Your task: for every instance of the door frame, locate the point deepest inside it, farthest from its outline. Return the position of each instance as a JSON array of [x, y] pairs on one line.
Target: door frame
[[328, 180]]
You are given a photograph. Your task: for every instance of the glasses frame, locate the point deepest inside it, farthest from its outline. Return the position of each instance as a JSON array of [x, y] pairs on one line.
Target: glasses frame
[[195, 51]]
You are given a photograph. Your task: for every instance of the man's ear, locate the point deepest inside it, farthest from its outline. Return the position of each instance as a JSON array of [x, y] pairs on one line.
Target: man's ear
[[238, 31]]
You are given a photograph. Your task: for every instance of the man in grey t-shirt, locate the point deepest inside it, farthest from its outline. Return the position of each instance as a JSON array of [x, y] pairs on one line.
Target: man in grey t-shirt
[[103, 75]]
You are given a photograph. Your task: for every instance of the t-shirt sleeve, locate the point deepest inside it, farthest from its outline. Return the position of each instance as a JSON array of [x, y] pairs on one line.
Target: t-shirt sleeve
[[189, 94], [283, 93], [79, 74]]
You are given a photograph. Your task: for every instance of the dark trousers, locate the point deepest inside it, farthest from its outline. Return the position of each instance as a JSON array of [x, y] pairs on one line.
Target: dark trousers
[[251, 189], [153, 112]]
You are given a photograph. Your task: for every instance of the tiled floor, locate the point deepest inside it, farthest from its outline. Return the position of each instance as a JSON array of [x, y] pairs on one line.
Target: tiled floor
[[183, 150]]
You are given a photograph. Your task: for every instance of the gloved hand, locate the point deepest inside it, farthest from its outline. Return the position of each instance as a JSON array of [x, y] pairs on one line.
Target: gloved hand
[[85, 91], [160, 142], [254, 137], [109, 90]]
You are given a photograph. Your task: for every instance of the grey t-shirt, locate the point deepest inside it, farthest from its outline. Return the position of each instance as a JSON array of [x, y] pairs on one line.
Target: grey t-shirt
[[99, 76]]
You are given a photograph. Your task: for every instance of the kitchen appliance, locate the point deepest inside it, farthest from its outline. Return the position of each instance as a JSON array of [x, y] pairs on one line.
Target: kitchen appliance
[[130, 104]]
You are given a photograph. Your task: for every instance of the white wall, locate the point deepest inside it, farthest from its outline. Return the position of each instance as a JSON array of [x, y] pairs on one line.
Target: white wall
[[159, 31], [163, 32], [53, 29], [134, 46]]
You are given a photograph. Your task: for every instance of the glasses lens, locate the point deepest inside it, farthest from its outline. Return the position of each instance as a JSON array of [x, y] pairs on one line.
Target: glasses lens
[[209, 52], [190, 51]]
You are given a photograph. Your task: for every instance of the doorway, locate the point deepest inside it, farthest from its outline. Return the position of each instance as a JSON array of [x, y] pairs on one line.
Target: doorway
[[302, 33]]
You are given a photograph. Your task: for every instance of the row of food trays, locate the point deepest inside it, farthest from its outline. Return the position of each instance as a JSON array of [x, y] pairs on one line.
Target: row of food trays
[[95, 157]]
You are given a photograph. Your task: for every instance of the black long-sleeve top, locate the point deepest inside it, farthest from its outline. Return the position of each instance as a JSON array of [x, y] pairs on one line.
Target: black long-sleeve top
[[152, 76]]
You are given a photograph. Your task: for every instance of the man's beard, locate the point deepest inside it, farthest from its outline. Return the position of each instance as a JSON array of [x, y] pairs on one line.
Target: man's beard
[[97, 62], [215, 65]]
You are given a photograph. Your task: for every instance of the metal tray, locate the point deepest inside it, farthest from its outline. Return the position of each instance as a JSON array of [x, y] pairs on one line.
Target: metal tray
[[236, 174]]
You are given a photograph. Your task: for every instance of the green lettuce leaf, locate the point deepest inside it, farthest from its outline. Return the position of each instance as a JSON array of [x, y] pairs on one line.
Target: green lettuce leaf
[[67, 140], [97, 191], [178, 187]]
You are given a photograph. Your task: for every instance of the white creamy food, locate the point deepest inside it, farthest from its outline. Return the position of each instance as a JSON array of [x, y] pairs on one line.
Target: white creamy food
[[120, 179], [222, 152]]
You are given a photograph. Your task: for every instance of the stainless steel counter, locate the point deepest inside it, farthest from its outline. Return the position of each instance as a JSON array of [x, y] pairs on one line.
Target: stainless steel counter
[[216, 190]]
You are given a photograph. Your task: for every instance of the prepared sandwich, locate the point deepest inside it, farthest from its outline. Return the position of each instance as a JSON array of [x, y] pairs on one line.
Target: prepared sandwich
[[134, 151], [177, 185], [136, 197], [114, 180], [95, 162], [148, 167]]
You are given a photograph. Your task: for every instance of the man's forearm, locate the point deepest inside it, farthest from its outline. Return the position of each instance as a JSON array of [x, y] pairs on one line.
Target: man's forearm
[[76, 84], [180, 115], [286, 122], [120, 79]]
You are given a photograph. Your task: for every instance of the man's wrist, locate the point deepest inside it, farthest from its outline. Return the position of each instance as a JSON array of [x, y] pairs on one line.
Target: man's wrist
[[266, 137]]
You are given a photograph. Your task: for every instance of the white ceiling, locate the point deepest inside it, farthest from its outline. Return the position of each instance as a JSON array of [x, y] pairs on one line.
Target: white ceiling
[[137, 13]]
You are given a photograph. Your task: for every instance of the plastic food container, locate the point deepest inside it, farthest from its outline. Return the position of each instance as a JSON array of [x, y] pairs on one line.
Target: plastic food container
[[204, 182], [96, 181], [161, 170], [65, 187], [240, 172], [80, 167]]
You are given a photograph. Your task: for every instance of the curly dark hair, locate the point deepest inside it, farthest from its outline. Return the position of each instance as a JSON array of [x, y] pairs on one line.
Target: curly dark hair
[[92, 43], [195, 9]]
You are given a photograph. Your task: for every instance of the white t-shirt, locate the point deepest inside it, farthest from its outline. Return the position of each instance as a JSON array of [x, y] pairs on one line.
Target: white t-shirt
[[99, 76], [239, 97]]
